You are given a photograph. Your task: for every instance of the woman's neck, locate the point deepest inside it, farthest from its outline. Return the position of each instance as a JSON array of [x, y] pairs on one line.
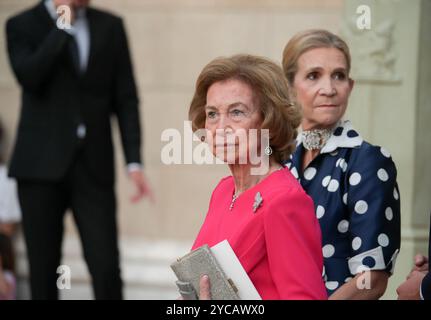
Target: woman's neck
[[243, 178], [308, 126], [307, 157]]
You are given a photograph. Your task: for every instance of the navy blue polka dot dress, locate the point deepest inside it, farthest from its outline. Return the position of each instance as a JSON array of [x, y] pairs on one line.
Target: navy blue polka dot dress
[[357, 201]]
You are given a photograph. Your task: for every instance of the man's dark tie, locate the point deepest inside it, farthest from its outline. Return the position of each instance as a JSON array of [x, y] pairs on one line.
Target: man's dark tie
[[73, 47]]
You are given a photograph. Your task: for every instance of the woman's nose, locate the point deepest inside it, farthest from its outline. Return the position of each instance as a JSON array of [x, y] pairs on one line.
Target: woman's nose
[[327, 88], [223, 121]]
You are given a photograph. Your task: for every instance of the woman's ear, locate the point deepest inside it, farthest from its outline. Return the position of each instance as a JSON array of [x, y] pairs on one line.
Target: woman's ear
[[351, 84]]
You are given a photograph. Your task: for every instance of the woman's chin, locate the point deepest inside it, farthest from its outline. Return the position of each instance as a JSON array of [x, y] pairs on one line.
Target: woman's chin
[[327, 121], [230, 157]]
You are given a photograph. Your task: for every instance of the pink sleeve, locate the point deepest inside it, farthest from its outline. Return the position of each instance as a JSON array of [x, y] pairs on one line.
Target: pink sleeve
[[293, 241]]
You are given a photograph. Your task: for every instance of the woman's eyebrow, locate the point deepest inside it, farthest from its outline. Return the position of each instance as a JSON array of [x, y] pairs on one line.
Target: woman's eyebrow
[[311, 69], [316, 68], [234, 104], [237, 104], [340, 69]]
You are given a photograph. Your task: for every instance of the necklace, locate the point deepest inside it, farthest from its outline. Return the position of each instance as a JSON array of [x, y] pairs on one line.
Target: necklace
[[315, 139], [237, 194], [234, 197]]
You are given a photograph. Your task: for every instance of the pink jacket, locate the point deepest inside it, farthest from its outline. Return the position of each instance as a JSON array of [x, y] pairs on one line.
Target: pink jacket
[[279, 245]]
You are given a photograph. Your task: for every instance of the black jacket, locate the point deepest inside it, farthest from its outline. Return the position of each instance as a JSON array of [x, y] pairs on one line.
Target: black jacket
[[56, 97]]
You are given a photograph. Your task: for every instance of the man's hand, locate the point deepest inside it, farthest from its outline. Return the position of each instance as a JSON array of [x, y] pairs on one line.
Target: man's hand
[[70, 4], [421, 263], [8, 229], [5, 287], [142, 187], [410, 289]]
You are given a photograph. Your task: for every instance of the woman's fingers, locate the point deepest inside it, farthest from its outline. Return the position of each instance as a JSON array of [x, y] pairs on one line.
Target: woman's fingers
[[204, 288]]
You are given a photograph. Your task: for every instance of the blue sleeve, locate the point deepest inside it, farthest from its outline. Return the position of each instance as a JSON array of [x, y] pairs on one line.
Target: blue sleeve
[[373, 200], [426, 287]]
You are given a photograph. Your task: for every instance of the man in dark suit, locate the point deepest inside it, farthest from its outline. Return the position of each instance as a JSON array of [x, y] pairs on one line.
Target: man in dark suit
[[73, 79], [418, 283]]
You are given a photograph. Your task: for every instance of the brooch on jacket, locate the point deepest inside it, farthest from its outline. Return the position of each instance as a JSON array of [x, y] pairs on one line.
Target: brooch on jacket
[[257, 201]]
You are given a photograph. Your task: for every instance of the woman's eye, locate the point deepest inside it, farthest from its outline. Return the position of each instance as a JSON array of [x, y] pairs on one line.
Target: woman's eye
[[237, 113], [211, 114], [312, 76], [339, 76]]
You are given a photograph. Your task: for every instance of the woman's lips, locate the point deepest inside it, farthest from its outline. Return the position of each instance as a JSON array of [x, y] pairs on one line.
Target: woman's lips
[[327, 106], [225, 145]]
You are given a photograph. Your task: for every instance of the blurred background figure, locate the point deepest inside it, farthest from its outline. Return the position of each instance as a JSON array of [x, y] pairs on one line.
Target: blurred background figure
[[7, 269], [10, 212], [72, 80], [10, 216]]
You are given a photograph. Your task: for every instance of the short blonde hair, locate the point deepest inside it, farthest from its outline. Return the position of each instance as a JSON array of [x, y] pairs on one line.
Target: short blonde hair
[[271, 91], [307, 40]]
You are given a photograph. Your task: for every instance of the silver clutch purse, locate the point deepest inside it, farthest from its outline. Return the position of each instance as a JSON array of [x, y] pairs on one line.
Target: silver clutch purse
[[195, 264]]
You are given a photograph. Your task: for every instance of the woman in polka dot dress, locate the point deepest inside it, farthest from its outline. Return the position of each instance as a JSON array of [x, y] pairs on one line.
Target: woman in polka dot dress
[[353, 183]]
